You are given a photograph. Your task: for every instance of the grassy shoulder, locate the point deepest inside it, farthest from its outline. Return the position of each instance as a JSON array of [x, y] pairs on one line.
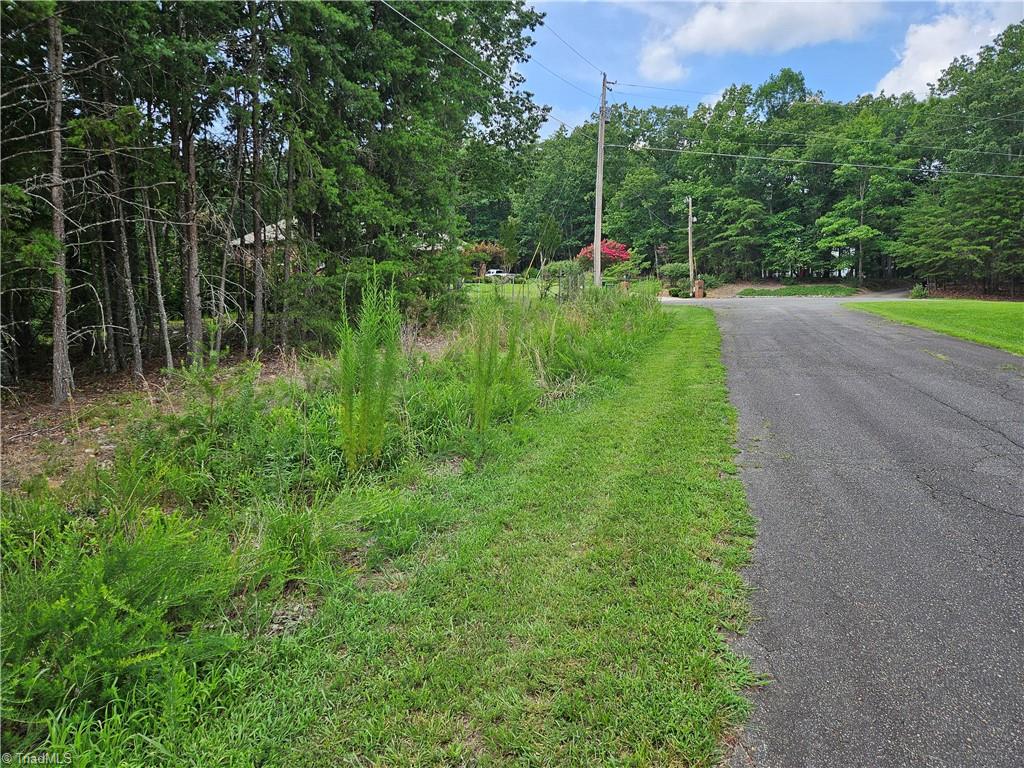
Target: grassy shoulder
[[576, 617], [227, 594], [993, 323], [801, 290]]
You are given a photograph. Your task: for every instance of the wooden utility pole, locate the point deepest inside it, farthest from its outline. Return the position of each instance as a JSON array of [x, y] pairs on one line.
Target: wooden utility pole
[[689, 238], [599, 187]]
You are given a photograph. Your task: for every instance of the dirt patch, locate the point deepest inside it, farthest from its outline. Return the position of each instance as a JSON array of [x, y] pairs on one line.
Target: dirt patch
[[287, 618], [39, 437]]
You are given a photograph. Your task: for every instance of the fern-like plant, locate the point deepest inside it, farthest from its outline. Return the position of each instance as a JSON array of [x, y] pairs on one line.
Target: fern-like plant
[[369, 357]]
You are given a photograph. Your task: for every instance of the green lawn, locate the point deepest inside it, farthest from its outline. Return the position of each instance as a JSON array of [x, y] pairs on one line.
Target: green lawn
[[995, 323], [520, 289], [573, 616], [565, 609], [801, 290]]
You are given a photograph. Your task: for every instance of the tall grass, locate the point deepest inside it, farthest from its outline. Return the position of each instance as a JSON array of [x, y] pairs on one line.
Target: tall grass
[[140, 591], [490, 367]]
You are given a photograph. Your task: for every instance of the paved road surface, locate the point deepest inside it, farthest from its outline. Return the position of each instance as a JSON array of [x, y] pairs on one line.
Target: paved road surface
[[886, 466]]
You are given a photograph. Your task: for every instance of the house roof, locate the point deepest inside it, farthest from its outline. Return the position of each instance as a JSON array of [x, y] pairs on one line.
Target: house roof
[[272, 233]]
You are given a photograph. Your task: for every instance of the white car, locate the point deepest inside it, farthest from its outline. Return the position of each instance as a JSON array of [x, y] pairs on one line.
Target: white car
[[499, 274]]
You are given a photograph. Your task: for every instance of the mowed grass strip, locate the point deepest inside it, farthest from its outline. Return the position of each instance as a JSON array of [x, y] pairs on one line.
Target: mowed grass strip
[[570, 615], [801, 290], [994, 323]]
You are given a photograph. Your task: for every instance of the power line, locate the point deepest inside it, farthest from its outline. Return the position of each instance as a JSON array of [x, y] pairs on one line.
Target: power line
[[564, 80], [565, 42], [896, 143], [881, 140], [660, 88], [816, 162], [718, 154], [1008, 117]]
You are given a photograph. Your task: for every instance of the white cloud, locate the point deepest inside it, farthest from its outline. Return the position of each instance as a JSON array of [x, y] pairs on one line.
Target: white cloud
[[658, 61], [713, 98], [929, 48], [751, 28]]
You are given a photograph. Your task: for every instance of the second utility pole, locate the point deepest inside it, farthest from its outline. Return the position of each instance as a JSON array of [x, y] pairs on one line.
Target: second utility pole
[[689, 238], [599, 188]]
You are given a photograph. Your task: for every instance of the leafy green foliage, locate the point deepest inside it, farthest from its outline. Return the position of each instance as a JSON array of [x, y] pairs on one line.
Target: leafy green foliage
[[787, 183]]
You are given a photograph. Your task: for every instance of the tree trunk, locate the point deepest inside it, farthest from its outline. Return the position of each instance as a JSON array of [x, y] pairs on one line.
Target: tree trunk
[[63, 381], [154, 274], [225, 257], [126, 270], [289, 214], [109, 351], [193, 301], [257, 224]]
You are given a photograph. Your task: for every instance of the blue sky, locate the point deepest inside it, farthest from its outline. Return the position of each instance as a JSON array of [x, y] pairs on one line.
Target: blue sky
[[843, 48]]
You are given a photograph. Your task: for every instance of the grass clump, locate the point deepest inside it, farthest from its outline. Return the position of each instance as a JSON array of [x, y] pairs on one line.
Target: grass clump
[[824, 289], [993, 323]]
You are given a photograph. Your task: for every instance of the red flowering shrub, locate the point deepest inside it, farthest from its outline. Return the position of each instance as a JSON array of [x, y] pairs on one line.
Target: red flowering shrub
[[612, 252]]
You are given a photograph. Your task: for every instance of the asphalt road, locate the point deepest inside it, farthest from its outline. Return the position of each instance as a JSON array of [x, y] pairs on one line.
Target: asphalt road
[[886, 466]]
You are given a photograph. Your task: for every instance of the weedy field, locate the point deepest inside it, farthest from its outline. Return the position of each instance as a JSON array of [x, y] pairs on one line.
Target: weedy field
[[994, 323], [524, 551]]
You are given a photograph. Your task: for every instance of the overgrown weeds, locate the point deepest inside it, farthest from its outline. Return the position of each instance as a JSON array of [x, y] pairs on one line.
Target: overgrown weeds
[[132, 592]]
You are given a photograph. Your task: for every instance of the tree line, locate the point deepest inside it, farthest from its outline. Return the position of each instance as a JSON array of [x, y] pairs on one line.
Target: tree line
[[181, 177], [178, 176], [788, 183]]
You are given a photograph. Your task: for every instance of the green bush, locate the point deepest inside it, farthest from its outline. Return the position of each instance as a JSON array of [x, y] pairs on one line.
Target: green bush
[[626, 270], [555, 269], [919, 292], [675, 272]]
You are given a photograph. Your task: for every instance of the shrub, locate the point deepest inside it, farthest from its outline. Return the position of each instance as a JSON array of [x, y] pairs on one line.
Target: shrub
[[129, 591], [611, 252], [555, 269], [496, 379], [675, 272], [626, 270], [919, 292], [94, 605], [486, 253]]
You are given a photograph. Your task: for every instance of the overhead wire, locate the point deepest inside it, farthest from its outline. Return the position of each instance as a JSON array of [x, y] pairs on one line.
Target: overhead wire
[[815, 162]]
